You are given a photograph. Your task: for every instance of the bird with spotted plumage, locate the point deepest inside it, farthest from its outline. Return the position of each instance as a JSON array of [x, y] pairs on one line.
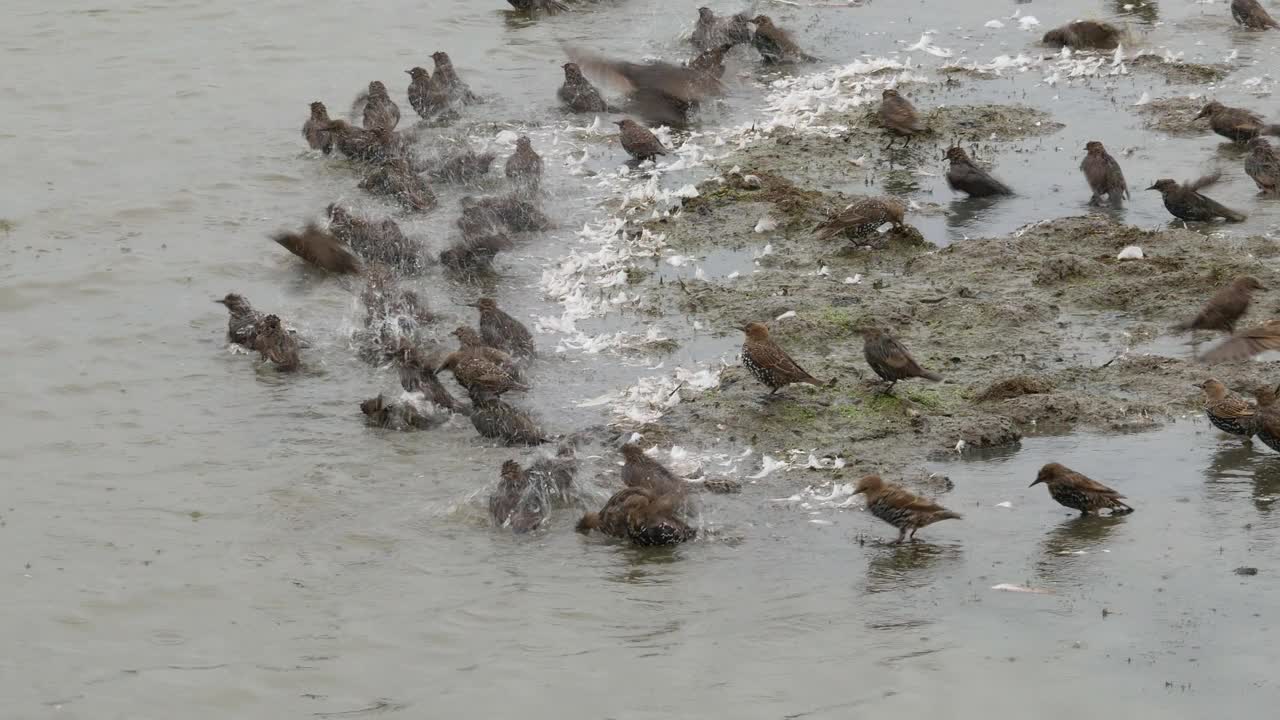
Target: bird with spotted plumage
[[515, 504], [501, 331], [639, 142], [890, 359], [1250, 14], [769, 363], [1263, 166], [862, 217], [315, 129], [1071, 489], [641, 516], [276, 344], [775, 44], [1228, 411], [1103, 174], [1236, 124], [524, 166], [900, 507], [1246, 343], [640, 470]]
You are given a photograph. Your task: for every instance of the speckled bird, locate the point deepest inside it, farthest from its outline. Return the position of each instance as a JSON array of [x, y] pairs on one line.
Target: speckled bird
[[379, 241], [1226, 307], [776, 45], [1250, 14], [316, 131], [514, 503], [396, 180], [1073, 490], [890, 360], [769, 363], [447, 78], [550, 7], [640, 470], [418, 374], [1103, 174], [320, 248], [1263, 166], [479, 376], [369, 146], [1246, 343], [498, 420], [1268, 422], [711, 31], [1236, 124], [380, 111], [464, 167], [577, 94], [277, 344], [524, 165], [474, 254], [640, 516], [639, 142], [1084, 35], [898, 116], [1186, 203], [501, 331], [388, 414], [426, 97], [711, 62], [862, 217], [966, 177], [1228, 411], [900, 507], [488, 215], [242, 321], [469, 341]]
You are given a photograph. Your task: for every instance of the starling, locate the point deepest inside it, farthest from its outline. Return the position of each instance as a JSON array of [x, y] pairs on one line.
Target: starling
[[899, 117], [277, 344], [861, 218], [660, 92], [479, 376], [426, 97], [315, 129], [711, 62], [641, 516], [418, 374], [515, 503], [320, 248], [1104, 175], [641, 471], [712, 32], [495, 215], [1263, 166], [1268, 422], [474, 254], [243, 320], [1251, 15], [495, 419], [1185, 202], [1084, 35], [395, 179], [1229, 412], [465, 167], [380, 111], [380, 242], [890, 359], [385, 301], [578, 94], [964, 176], [553, 476], [381, 413], [469, 341], [500, 330], [1073, 490], [1246, 343], [370, 146], [775, 44], [901, 508], [447, 78], [769, 363], [1225, 308], [1236, 124], [550, 7], [638, 141], [524, 165]]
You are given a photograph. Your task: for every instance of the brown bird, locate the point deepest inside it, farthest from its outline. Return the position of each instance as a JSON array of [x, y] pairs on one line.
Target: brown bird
[[524, 165], [396, 180], [577, 93], [380, 111], [515, 503], [495, 215], [1073, 490], [1250, 14], [550, 7], [1185, 201], [899, 117], [243, 320], [964, 176], [775, 44], [553, 476], [769, 363], [712, 31], [890, 360], [277, 344], [1104, 174], [315, 129], [1268, 422], [862, 217], [1084, 35], [320, 248], [500, 330], [418, 374], [900, 507], [385, 301], [375, 242], [495, 419], [469, 341], [463, 167], [370, 146], [711, 62], [379, 412], [479, 376], [1226, 306], [1228, 411], [474, 254], [447, 78], [1246, 343], [1236, 124], [1263, 166], [660, 92], [640, 516], [640, 470], [426, 97], [638, 141]]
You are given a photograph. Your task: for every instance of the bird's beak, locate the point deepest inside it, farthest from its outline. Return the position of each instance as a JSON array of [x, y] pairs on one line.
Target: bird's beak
[[408, 72], [221, 301], [1153, 187], [1037, 482]]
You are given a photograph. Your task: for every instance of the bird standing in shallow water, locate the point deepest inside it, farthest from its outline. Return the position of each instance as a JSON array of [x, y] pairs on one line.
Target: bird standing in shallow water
[[769, 363], [380, 111], [1228, 411], [1226, 307], [1246, 343], [640, 470], [447, 79], [514, 503], [426, 98], [500, 330], [890, 360], [641, 516], [1073, 490], [578, 94], [396, 180], [315, 129], [1250, 14], [495, 419], [901, 508], [899, 117], [243, 320], [277, 344], [479, 376], [1186, 203], [1084, 35], [1263, 166], [639, 142], [1268, 421], [1236, 124], [712, 31], [775, 45], [525, 165], [964, 176], [1104, 175]]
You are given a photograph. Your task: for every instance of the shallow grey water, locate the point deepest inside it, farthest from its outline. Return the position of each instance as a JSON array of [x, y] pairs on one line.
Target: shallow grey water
[[190, 537]]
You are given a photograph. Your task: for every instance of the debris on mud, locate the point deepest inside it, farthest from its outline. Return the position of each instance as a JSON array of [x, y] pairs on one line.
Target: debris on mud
[[1013, 387], [1174, 115], [1179, 72]]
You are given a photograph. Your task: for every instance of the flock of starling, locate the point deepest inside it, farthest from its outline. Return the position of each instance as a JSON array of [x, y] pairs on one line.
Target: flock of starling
[[493, 359]]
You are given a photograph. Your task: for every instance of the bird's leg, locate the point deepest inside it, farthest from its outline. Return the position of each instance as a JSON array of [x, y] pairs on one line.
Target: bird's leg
[[892, 137], [1096, 200], [889, 390], [913, 534], [908, 142], [901, 535]]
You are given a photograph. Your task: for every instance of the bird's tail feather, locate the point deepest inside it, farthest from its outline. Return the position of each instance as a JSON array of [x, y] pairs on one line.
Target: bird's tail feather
[[930, 375]]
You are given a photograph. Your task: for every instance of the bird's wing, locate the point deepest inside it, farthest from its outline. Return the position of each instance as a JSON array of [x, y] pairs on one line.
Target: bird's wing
[[1085, 484], [1114, 167], [899, 497], [898, 357], [1245, 344], [1233, 406], [1203, 181]]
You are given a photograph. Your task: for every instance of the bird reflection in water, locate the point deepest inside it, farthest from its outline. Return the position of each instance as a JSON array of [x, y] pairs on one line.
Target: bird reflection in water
[[1066, 552], [912, 565]]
